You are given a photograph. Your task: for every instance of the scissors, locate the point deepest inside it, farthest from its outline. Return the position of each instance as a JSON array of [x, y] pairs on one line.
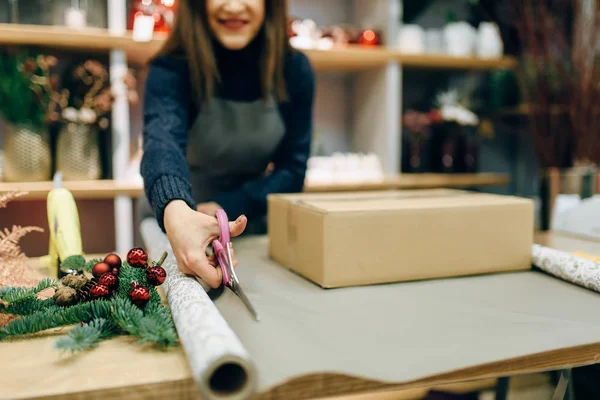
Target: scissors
[[222, 248]]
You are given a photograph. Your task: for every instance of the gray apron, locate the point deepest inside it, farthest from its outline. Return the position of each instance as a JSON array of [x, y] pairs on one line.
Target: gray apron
[[229, 144]]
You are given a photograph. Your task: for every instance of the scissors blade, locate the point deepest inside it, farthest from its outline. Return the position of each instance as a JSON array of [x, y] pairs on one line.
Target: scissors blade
[[240, 293]]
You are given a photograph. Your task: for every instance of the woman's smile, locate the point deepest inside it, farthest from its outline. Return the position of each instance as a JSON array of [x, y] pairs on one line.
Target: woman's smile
[[233, 24]]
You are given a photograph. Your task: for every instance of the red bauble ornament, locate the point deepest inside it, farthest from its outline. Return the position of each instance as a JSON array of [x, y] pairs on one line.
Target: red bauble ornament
[[369, 37], [139, 295], [137, 258], [109, 280], [114, 261], [99, 291], [100, 269], [156, 275]]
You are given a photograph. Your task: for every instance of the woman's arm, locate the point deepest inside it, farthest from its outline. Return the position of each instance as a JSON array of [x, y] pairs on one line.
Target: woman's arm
[[292, 155], [166, 107]]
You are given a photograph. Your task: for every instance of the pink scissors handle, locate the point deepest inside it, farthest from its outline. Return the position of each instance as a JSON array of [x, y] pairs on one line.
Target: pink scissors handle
[[223, 227], [220, 245]]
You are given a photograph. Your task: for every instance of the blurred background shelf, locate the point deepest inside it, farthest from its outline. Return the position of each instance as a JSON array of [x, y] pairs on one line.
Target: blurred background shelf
[[96, 189], [352, 58], [362, 95], [109, 189]]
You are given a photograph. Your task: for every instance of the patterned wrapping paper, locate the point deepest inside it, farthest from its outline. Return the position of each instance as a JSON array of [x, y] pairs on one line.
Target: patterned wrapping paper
[[209, 343], [567, 266]]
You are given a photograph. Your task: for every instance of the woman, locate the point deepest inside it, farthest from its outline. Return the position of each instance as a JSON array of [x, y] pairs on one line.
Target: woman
[[225, 98]]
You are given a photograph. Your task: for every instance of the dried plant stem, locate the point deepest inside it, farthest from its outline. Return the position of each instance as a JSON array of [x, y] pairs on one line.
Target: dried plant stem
[[7, 197], [561, 78]]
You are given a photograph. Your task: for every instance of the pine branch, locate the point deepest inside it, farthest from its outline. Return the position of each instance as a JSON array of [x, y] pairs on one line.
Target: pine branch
[[29, 306], [15, 294], [87, 336], [56, 317], [154, 327], [75, 262], [7, 197]]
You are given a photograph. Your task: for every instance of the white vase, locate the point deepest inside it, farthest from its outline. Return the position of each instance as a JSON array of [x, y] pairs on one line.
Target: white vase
[[489, 41], [411, 39], [460, 39]]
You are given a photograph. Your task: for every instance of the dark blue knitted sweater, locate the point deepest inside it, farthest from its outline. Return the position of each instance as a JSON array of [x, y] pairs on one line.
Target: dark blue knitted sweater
[[169, 110]]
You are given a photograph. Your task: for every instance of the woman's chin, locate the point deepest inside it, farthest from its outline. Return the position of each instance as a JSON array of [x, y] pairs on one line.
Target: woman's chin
[[234, 42]]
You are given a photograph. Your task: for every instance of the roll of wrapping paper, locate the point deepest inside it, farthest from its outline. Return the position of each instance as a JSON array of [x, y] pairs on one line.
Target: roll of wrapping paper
[[221, 367], [569, 267]]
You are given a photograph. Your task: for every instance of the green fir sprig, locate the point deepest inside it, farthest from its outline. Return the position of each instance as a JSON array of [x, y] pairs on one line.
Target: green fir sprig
[[13, 294], [87, 336], [97, 320]]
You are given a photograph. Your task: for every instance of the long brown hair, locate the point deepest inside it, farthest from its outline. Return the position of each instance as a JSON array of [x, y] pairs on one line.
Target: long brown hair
[[191, 37]]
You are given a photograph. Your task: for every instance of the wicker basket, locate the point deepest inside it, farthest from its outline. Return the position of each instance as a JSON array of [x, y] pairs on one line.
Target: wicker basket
[[27, 154], [78, 152]]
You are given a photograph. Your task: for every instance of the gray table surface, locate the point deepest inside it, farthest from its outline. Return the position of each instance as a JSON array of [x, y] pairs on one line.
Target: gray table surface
[[400, 332]]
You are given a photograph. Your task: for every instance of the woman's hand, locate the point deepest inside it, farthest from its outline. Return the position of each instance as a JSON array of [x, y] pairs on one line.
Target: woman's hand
[[190, 233], [209, 208]]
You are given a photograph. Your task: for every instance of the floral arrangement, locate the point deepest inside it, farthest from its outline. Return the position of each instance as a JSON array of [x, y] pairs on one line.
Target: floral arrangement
[[454, 109], [86, 96], [418, 122], [100, 298], [28, 87], [31, 91]]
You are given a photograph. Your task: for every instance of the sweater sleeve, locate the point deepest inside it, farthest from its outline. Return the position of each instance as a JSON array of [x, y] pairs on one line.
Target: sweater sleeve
[[165, 113], [292, 154]]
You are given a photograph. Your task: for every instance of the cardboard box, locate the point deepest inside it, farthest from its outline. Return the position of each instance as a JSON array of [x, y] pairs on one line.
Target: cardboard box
[[348, 239]]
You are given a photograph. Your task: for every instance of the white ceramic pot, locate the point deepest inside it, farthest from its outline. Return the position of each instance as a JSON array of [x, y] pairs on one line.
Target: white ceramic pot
[[411, 39], [460, 39], [489, 41]]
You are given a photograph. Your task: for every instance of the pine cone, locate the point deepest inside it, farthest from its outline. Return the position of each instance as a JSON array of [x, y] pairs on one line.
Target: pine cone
[[65, 296], [83, 294], [74, 281]]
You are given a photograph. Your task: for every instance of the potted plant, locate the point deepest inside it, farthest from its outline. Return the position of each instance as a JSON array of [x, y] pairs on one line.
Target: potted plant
[[415, 138], [457, 148], [86, 102], [560, 84], [27, 92]]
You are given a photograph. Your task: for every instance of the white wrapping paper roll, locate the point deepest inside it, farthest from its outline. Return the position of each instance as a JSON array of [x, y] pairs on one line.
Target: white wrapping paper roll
[[566, 266], [220, 364]]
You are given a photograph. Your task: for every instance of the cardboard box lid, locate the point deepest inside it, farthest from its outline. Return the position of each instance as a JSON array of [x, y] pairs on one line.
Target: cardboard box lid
[[398, 201], [296, 197]]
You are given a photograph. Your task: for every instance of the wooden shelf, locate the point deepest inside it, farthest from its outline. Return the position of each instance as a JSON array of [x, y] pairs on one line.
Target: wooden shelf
[[448, 62], [108, 189], [352, 58], [416, 181], [99, 189]]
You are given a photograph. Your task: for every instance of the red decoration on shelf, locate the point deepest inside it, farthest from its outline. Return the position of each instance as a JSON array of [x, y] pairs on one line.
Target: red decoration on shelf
[[369, 37], [99, 291], [100, 269], [114, 261], [109, 280], [139, 295], [137, 258], [163, 12], [156, 275]]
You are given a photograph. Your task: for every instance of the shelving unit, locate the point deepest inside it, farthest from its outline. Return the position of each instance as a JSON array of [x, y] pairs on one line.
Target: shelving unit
[[110, 189], [368, 97], [348, 59]]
